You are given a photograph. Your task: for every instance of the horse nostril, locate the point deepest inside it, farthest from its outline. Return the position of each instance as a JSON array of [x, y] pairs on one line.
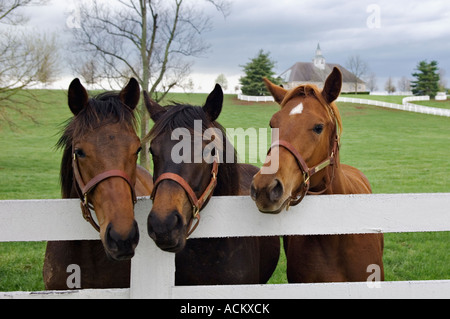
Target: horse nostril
[[112, 238], [158, 227], [174, 221], [276, 193], [253, 192], [118, 245]]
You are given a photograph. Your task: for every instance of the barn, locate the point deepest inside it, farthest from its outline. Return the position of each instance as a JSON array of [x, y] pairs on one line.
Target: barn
[[317, 71]]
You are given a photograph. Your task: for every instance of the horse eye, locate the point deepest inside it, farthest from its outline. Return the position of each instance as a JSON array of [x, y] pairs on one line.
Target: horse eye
[[80, 153], [318, 129]]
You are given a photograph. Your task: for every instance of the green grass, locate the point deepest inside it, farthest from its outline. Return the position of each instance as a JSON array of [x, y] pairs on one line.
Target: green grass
[[400, 152], [397, 99], [438, 104]]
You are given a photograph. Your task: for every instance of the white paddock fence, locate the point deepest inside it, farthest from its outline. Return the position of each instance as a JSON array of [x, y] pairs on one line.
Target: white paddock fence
[[247, 98], [409, 107], [153, 271], [406, 106]]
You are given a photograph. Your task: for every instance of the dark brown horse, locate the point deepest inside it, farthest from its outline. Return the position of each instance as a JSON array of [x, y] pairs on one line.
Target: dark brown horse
[[188, 148], [99, 166], [308, 151]]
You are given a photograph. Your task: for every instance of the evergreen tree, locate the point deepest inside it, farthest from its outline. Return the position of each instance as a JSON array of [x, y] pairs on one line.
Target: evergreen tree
[[427, 82], [258, 68]]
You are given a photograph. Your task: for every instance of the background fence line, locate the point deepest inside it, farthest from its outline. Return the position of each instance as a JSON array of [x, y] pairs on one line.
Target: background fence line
[[409, 107]]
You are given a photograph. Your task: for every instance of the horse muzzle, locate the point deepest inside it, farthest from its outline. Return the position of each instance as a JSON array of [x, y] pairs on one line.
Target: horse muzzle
[[269, 195], [168, 231], [121, 248]]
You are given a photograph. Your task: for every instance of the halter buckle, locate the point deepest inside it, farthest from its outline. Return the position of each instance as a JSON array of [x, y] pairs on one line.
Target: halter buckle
[[196, 211]]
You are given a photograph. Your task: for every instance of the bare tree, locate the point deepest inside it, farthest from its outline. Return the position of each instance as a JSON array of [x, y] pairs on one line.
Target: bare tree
[[390, 87], [358, 68], [222, 80], [372, 82], [25, 61], [147, 39], [404, 84], [9, 13]]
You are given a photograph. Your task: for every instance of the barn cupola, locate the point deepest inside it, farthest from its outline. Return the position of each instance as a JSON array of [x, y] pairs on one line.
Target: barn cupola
[[319, 59]]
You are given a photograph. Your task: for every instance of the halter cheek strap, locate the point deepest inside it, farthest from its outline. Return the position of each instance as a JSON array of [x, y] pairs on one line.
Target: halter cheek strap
[[86, 189], [306, 171], [197, 203]]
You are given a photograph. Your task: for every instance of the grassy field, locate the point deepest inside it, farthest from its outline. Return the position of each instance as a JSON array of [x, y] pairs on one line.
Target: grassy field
[[400, 152]]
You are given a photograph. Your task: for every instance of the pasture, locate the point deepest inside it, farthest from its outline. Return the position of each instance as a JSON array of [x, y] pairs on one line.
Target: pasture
[[400, 152]]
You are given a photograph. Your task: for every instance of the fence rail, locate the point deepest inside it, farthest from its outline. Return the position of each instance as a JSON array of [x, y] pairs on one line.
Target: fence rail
[[247, 98], [153, 271], [405, 107]]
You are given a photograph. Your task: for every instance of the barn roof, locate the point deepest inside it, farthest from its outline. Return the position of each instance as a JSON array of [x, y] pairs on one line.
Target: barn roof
[[307, 72]]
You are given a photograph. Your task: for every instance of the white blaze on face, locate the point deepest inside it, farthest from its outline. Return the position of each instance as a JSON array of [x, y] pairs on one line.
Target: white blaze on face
[[297, 110]]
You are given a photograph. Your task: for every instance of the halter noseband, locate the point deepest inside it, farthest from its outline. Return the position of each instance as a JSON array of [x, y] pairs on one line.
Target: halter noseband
[[197, 203], [307, 172], [86, 189]]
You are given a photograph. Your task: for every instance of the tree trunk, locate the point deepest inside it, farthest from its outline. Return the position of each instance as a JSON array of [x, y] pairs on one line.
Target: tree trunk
[[145, 117]]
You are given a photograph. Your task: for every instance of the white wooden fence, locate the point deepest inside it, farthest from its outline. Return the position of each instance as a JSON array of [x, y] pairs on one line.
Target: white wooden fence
[[405, 107], [247, 98], [153, 271]]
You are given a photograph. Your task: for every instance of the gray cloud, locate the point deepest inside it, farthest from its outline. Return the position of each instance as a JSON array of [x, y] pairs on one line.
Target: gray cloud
[[410, 31]]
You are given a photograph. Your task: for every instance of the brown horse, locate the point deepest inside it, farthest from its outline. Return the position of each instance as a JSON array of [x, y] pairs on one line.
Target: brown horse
[[185, 181], [310, 128], [99, 166]]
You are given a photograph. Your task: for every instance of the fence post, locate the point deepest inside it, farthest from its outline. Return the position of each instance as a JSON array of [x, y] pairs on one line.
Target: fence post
[[152, 270]]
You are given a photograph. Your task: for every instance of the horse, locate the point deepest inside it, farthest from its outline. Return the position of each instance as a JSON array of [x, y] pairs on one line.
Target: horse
[[99, 166], [308, 152], [185, 180]]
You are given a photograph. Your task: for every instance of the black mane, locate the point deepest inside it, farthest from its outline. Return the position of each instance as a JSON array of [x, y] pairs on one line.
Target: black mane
[[183, 116], [105, 108]]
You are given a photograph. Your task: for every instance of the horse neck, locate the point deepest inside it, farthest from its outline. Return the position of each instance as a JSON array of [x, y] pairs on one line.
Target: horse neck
[[330, 178], [349, 180], [228, 180], [229, 176]]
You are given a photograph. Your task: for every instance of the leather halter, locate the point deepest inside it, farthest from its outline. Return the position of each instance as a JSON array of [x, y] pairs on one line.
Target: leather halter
[[86, 189], [307, 172], [197, 203]]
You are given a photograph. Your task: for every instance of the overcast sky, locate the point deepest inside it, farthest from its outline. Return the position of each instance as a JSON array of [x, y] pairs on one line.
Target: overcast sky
[[391, 36]]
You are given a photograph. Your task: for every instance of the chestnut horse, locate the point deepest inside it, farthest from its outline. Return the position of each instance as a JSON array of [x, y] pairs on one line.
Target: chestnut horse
[[310, 128], [183, 187], [101, 149]]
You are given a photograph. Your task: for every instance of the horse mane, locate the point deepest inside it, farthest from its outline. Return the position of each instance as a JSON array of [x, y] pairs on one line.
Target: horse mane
[[183, 116], [313, 90], [103, 109]]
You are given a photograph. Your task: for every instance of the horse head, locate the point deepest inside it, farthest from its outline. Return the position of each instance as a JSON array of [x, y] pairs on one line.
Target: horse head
[[102, 148], [185, 146], [309, 127]]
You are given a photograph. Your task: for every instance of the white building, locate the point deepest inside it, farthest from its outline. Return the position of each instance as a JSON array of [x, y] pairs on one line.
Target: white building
[[316, 72]]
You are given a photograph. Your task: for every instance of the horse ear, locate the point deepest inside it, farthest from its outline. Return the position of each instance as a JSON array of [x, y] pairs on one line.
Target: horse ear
[[333, 86], [78, 97], [131, 94], [278, 92], [155, 110], [214, 103]]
